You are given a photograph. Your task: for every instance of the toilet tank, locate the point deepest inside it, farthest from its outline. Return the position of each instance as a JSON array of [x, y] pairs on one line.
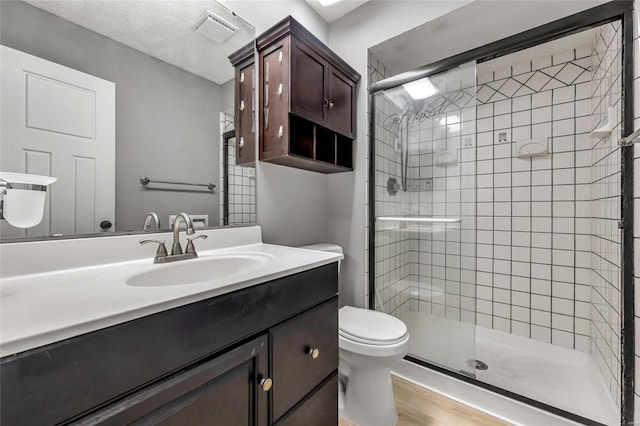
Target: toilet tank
[[333, 248]]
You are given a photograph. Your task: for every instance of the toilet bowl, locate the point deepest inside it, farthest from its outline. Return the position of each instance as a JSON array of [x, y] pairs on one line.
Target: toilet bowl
[[369, 343]]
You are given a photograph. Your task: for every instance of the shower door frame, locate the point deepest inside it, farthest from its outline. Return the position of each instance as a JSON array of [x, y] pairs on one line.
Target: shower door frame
[[593, 17]]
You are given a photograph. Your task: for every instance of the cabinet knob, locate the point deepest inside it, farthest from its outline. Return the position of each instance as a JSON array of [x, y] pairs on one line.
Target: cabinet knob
[[314, 352], [330, 105], [280, 131], [266, 384], [326, 102]]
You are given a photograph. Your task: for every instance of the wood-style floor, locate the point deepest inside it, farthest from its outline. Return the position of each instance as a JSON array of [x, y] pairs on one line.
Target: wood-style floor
[[420, 407]]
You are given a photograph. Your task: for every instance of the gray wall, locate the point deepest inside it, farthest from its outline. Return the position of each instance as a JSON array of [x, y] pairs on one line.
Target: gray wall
[[228, 96], [167, 120]]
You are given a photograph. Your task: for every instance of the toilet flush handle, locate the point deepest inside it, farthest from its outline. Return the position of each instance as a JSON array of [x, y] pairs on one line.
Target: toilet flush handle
[[314, 352]]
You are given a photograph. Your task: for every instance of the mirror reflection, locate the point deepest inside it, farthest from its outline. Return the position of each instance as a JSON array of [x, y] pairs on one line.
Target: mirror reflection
[[129, 105]]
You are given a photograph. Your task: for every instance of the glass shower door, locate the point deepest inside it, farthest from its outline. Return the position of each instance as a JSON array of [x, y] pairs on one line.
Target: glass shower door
[[425, 189]]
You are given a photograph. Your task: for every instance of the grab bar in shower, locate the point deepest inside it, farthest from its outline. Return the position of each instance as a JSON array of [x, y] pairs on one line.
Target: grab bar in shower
[[420, 219]]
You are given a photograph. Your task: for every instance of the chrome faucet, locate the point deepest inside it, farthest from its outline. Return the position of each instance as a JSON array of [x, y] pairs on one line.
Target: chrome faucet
[[176, 248], [151, 216]]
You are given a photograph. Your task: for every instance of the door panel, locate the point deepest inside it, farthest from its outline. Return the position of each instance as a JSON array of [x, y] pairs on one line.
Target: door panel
[[222, 391], [275, 120], [341, 93], [245, 113], [295, 371], [59, 122], [308, 79], [321, 409]]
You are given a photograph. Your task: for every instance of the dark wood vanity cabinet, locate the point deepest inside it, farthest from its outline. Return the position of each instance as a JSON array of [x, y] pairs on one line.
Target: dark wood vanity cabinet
[[245, 105], [307, 101], [260, 356]]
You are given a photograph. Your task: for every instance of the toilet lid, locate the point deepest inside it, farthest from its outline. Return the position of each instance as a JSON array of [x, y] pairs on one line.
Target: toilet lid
[[367, 326]]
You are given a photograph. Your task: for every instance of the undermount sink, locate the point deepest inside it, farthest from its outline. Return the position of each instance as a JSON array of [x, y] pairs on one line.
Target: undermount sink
[[208, 268]]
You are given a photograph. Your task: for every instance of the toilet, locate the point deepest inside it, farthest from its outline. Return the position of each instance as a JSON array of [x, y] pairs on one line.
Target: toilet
[[370, 343]]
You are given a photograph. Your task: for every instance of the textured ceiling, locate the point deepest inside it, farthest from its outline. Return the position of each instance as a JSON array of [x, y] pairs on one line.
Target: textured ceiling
[[162, 29], [337, 10]]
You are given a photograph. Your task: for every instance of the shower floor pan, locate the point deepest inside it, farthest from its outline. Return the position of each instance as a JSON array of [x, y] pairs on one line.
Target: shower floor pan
[[563, 378]]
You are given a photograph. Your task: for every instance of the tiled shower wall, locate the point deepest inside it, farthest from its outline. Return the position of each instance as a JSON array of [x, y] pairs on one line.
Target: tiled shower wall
[[536, 241], [606, 238], [392, 246], [242, 182], [442, 180], [533, 212]]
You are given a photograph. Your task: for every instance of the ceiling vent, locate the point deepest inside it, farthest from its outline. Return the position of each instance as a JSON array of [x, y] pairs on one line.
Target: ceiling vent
[[215, 28]]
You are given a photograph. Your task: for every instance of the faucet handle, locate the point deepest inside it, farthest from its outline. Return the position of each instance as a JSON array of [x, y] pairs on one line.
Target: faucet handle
[[162, 249], [190, 247]]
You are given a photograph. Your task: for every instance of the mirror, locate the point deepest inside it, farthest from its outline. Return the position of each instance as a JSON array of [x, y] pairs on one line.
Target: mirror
[[130, 106]]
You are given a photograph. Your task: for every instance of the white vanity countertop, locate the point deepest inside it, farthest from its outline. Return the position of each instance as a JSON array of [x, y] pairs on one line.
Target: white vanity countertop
[[38, 309]]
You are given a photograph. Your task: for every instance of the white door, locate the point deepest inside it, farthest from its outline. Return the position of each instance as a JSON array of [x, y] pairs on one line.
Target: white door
[[57, 121]]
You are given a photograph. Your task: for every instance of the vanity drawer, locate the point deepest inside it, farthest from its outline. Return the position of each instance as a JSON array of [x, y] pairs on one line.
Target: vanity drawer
[[319, 409], [295, 371]]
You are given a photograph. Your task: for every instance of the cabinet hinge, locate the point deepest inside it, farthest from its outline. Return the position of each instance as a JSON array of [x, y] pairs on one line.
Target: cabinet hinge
[[280, 57]]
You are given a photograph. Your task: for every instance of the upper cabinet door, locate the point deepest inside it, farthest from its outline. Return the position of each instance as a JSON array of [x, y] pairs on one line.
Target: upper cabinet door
[[341, 105], [245, 115], [308, 83]]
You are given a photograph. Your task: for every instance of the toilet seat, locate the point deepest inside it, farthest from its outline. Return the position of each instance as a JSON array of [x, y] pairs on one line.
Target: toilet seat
[[370, 327]]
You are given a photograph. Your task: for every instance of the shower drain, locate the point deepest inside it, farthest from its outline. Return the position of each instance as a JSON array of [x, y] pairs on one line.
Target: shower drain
[[479, 365]]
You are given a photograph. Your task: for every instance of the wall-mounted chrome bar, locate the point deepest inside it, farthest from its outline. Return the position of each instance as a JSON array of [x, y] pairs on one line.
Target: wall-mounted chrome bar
[[418, 219], [630, 140], [144, 181]]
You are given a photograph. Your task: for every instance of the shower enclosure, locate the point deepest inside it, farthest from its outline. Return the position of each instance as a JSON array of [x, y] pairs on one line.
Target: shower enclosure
[[425, 204], [496, 195]]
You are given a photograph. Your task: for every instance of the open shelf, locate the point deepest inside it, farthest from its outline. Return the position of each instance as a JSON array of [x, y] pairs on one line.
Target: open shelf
[[302, 138], [325, 145], [313, 147]]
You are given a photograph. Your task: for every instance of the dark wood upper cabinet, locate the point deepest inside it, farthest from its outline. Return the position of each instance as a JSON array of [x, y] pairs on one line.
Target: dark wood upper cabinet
[[308, 82], [307, 101], [245, 105]]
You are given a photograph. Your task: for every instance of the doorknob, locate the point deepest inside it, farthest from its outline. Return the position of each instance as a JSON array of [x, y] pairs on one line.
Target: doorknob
[[106, 225]]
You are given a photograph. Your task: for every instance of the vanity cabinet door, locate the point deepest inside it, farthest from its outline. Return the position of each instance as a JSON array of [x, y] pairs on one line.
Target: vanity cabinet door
[[319, 409], [225, 390], [297, 370]]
